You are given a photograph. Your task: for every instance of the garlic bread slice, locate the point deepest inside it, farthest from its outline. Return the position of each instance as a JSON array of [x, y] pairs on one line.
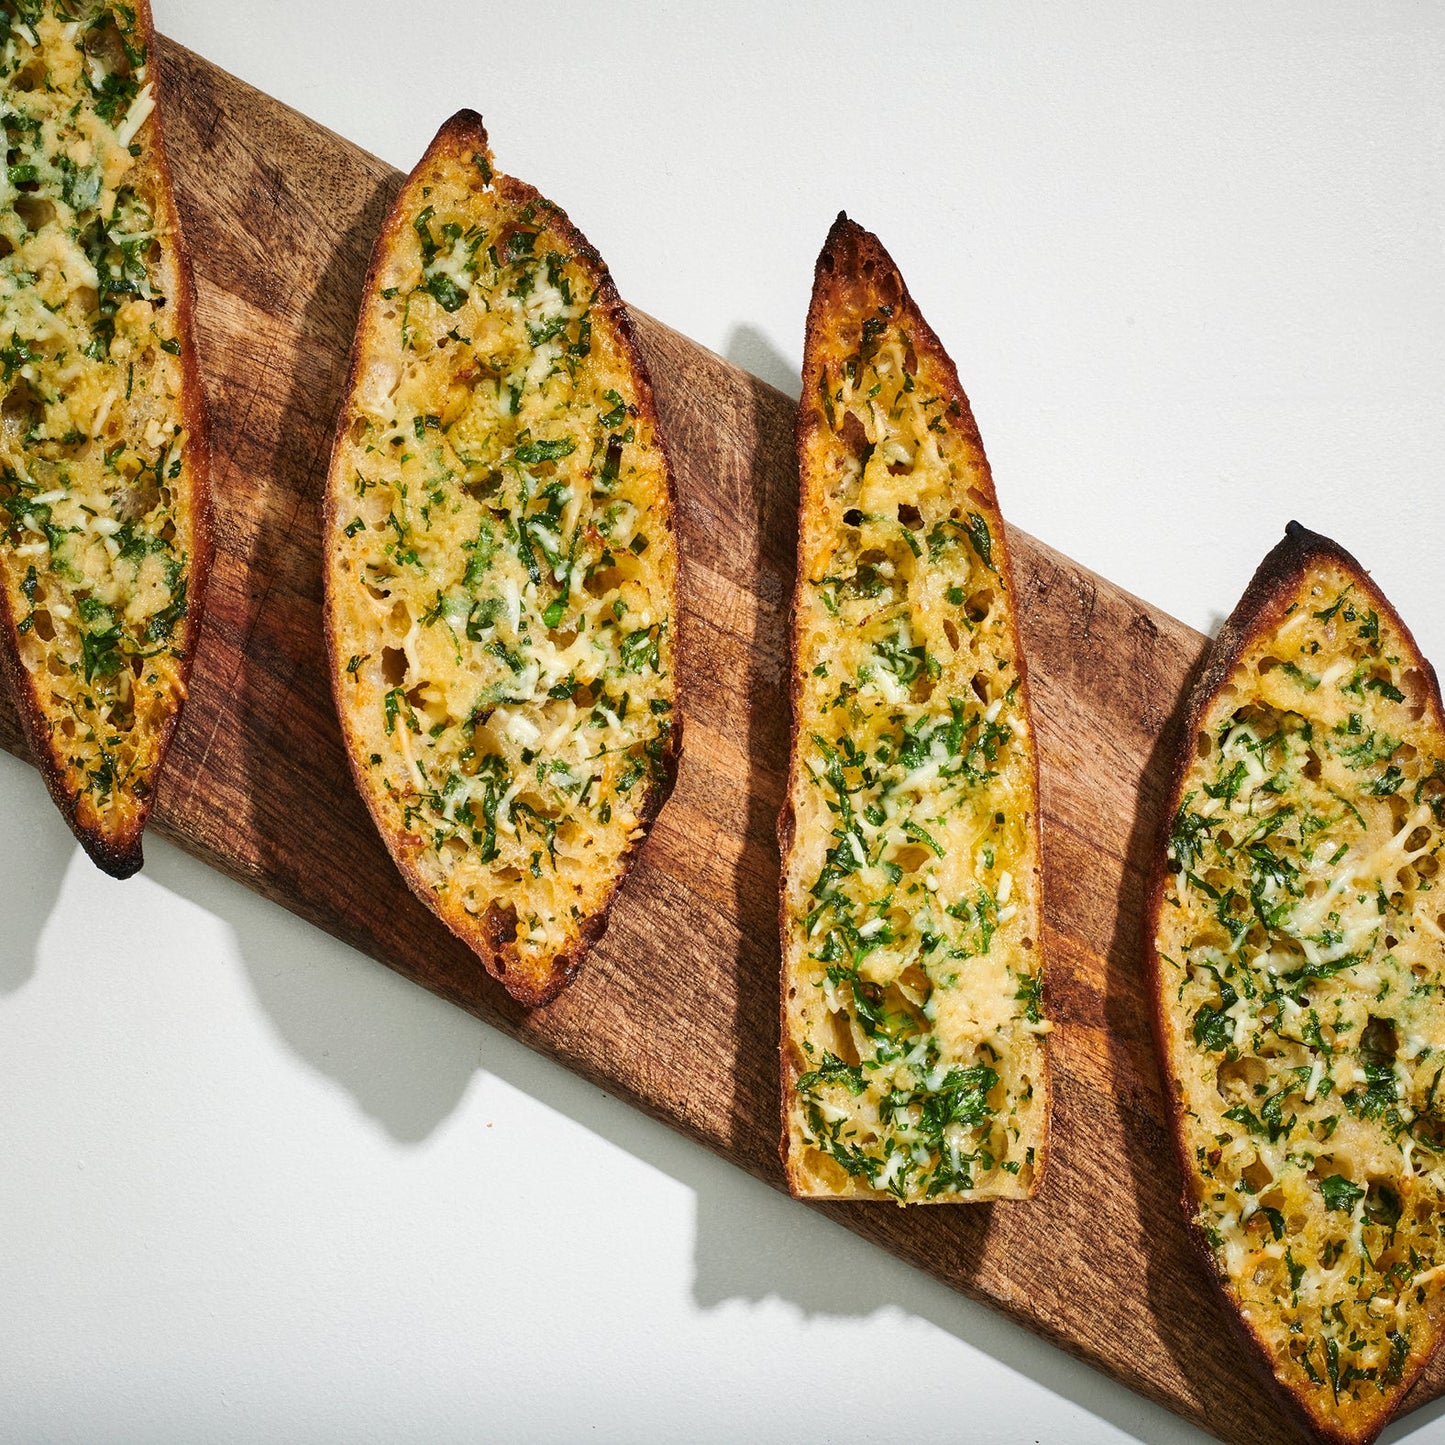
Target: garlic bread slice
[[104, 458], [913, 1055], [500, 568], [1298, 953]]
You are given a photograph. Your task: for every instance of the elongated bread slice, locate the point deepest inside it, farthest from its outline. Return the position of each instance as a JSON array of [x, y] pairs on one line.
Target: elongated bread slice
[[913, 1054], [104, 457], [1298, 932], [500, 568]]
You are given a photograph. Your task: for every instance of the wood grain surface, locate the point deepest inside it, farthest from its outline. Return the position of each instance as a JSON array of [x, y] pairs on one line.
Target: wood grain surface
[[676, 1011]]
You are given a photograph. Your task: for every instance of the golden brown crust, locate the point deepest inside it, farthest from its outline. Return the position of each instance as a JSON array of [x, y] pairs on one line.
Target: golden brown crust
[[492, 935], [118, 851], [854, 262], [1266, 600]]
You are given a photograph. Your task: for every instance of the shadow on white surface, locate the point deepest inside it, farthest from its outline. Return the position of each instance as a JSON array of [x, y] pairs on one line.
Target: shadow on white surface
[[750, 349], [407, 1058], [1414, 1424], [33, 874], [402, 1055]]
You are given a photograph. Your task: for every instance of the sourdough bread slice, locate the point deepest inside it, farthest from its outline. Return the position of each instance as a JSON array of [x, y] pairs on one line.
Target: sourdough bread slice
[[104, 458], [1298, 957], [500, 568], [913, 1054]]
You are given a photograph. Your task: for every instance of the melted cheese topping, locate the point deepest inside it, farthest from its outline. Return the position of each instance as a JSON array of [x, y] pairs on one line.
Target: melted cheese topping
[[1303, 959], [96, 516], [502, 573], [911, 936]]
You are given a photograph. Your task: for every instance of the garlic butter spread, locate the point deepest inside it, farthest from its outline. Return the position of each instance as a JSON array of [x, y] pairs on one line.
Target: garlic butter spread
[[501, 566], [96, 525], [1302, 951], [913, 962]]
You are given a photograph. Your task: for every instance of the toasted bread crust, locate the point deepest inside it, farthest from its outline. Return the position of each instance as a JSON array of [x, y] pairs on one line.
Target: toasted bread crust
[[1265, 603], [854, 263], [118, 849], [489, 934]]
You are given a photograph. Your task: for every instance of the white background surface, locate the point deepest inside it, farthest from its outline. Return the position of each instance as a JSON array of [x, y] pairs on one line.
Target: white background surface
[[1191, 263]]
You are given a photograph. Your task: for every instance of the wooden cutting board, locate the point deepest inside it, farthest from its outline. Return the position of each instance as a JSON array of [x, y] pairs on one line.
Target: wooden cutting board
[[676, 1011]]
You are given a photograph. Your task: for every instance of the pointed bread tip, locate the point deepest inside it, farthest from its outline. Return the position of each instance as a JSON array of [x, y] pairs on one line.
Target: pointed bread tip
[[120, 861], [465, 128]]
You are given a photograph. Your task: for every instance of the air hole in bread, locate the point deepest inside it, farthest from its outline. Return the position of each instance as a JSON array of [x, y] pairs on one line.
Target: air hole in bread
[[1236, 1079], [911, 857], [393, 666], [1413, 685], [104, 45], [914, 985], [951, 633], [1327, 1165], [1378, 1042], [910, 516], [1257, 1175], [34, 211], [853, 436], [979, 605], [603, 582], [488, 484], [844, 1045], [1382, 1203], [22, 409], [896, 1003], [32, 77]]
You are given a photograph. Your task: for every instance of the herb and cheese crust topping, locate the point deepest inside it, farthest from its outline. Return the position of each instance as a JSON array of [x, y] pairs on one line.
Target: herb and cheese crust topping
[[104, 536], [1299, 955], [913, 1053], [500, 569]]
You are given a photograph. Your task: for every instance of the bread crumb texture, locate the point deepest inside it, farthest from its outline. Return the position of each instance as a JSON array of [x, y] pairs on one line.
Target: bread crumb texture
[[501, 570], [913, 1036], [98, 517], [1301, 955]]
